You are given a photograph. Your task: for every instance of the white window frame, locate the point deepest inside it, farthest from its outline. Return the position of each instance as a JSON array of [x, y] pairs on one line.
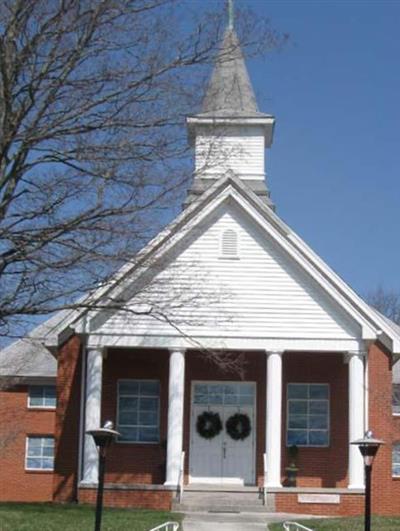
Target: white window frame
[[308, 399], [394, 445], [43, 387], [38, 469], [119, 440]]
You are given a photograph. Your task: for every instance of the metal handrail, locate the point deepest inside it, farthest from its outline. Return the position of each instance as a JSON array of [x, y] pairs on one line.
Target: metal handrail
[[166, 526], [181, 478], [295, 526], [264, 490]]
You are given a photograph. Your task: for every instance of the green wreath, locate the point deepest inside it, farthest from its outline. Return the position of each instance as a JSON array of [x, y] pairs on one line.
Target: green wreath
[[238, 426], [208, 424]]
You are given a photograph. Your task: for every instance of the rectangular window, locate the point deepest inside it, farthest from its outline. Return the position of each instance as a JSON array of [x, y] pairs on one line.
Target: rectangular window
[[42, 396], [307, 414], [396, 399], [139, 411], [39, 453], [396, 460]]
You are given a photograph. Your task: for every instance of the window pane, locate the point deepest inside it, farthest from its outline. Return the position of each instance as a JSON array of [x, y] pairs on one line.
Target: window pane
[[318, 438], [298, 407], [148, 404], [128, 434], [200, 398], [33, 463], [148, 418], [215, 398], [129, 388], [128, 404], [149, 388], [318, 407], [298, 437], [297, 391], [298, 422], [34, 451], [318, 391], [396, 469], [231, 399], [148, 434], [246, 400], [47, 464], [319, 422], [128, 418]]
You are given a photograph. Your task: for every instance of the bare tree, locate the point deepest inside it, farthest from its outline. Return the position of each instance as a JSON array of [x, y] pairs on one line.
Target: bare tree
[[386, 302], [93, 150]]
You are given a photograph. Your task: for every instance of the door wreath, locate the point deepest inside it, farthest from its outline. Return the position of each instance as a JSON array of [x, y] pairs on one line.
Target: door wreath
[[208, 424], [238, 426]]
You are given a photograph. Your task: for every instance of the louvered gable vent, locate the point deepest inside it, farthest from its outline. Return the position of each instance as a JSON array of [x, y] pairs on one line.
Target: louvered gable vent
[[229, 244]]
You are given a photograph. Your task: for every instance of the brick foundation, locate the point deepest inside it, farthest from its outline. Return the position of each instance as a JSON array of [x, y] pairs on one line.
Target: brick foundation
[[139, 499], [350, 505]]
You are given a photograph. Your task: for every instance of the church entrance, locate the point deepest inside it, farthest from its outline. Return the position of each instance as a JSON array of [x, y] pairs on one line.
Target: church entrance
[[222, 433]]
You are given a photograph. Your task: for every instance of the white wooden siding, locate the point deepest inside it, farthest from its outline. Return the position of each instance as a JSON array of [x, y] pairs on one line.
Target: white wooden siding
[[240, 149], [262, 293]]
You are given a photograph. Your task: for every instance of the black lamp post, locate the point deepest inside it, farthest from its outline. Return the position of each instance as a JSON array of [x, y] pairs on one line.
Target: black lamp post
[[368, 447], [103, 437]]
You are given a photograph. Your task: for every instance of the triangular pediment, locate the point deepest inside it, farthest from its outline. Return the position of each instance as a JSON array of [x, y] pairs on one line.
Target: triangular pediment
[[266, 291]]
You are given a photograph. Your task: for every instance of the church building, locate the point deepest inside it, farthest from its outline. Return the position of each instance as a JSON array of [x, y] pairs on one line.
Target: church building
[[240, 362]]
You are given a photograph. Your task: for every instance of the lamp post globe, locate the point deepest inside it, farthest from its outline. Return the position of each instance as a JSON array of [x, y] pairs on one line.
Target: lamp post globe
[[368, 447], [103, 437]]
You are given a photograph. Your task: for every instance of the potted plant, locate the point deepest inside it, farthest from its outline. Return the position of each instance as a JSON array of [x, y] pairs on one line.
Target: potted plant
[[292, 469]]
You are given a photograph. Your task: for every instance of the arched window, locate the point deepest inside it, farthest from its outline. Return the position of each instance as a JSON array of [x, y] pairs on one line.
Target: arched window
[[229, 244], [396, 459]]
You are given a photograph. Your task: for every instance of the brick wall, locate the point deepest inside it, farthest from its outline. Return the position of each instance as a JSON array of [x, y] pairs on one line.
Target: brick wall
[[16, 422], [133, 462], [67, 421], [385, 489], [350, 505], [320, 467], [140, 499]]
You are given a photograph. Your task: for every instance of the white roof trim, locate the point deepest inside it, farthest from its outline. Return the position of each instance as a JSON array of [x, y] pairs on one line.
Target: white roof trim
[[372, 323]]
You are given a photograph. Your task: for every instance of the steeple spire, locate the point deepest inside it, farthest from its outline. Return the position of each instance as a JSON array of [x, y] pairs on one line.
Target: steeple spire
[[230, 134], [230, 15]]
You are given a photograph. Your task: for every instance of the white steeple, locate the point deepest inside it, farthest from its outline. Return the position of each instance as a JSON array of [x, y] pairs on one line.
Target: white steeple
[[230, 134]]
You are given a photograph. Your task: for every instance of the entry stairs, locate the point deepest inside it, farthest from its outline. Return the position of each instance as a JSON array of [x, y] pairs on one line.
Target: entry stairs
[[223, 499]]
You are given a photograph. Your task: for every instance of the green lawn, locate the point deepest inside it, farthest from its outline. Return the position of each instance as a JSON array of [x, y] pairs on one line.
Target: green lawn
[[47, 517], [346, 524]]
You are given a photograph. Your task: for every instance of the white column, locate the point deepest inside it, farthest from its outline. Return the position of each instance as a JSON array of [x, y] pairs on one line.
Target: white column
[[175, 415], [94, 372], [274, 419], [356, 419]]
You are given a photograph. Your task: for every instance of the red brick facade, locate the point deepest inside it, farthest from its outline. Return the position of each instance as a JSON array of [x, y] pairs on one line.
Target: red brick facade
[[17, 422], [133, 464]]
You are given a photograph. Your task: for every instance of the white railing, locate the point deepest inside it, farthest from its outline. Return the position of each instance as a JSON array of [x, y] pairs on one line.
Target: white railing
[[264, 490], [295, 526], [167, 526], [181, 478]]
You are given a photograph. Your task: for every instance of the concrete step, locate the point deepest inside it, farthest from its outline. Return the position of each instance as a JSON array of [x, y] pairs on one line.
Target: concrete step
[[224, 502]]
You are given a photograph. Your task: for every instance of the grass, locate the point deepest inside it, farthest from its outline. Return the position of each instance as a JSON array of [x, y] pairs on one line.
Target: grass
[[48, 517], [346, 524]]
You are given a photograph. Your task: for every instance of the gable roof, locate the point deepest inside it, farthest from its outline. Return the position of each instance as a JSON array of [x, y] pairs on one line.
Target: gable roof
[[374, 325]]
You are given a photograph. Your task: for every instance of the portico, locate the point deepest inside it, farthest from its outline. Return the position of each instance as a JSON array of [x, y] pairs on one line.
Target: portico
[[264, 390]]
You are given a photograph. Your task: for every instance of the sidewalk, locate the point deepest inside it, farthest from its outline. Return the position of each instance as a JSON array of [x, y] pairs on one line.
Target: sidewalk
[[233, 521]]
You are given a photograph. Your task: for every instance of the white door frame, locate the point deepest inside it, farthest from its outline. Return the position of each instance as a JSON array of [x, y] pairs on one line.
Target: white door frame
[[254, 429]]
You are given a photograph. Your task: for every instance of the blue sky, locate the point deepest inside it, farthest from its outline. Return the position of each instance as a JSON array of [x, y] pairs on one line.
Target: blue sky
[[334, 167]]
